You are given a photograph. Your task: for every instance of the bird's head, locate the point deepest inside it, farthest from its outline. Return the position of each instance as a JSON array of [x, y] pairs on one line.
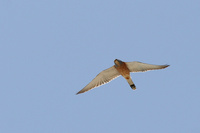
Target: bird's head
[[117, 62]]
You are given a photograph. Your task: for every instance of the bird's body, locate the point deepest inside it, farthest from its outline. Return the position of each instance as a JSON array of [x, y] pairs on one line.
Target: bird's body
[[124, 71], [120, 68]]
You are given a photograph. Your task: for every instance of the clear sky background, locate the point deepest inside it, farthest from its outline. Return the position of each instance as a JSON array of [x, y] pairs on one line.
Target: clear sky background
[[49, 50]]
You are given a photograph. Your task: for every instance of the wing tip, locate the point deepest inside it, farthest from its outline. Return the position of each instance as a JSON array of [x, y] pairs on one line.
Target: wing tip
[[166, 66], [80, 92]]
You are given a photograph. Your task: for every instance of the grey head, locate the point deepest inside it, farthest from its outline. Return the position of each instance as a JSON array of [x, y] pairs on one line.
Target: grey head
[[117, 62]]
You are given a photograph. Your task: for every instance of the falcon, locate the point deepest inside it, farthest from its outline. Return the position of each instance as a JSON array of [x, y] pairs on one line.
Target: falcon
[[120, 68]]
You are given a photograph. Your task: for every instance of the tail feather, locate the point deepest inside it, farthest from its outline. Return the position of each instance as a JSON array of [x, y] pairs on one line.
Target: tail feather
[[133, 86], [130, 82]]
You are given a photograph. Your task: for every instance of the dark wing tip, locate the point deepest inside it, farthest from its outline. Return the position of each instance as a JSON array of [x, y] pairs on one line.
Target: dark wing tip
[[79, 92], [166, 66]]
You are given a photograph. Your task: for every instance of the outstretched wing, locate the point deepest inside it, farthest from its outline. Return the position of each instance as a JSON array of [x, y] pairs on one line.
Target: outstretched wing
[[102, 78], [141, 67]]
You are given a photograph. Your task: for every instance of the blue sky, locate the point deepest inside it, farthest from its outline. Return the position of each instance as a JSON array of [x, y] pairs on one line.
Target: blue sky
[[49, 50]]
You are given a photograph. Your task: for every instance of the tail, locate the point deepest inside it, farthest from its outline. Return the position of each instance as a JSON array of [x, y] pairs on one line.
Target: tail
[[130, 82]]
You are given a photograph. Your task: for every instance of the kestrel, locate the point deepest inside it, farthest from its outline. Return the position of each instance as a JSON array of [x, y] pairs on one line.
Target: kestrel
[[123, 69]]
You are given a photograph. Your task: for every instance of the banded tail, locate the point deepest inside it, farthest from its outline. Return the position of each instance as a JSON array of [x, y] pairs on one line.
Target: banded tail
[[130, 82], [133, 86]]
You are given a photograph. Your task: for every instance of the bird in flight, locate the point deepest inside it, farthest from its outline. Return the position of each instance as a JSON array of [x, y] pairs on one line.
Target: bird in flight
[[123, 69]]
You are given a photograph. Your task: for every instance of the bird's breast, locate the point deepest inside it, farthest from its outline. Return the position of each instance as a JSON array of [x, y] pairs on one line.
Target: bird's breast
[[123, 70]]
